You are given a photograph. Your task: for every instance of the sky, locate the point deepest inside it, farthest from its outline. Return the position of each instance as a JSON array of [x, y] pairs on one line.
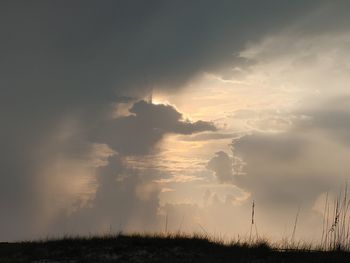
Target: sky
[[122, 115]]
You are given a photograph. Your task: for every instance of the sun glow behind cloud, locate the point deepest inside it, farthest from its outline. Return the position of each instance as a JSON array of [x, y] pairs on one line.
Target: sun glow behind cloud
[[272, 96]]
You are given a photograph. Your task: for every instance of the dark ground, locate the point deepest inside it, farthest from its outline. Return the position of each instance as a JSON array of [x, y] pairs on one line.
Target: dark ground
[[138, 248]]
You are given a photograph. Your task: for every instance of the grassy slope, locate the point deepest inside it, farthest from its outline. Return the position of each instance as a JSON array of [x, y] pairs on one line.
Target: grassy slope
[[138, 248]]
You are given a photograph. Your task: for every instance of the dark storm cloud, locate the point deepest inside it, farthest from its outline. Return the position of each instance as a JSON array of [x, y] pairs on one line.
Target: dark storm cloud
[[65, 55], [72, 59], [138, 133]]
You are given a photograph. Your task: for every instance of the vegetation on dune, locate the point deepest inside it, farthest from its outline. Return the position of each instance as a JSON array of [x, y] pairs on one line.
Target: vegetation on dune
[[159, 248]]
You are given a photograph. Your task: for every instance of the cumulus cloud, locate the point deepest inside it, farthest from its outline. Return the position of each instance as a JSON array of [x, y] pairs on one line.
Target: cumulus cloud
[[222, 166], [294, 167]]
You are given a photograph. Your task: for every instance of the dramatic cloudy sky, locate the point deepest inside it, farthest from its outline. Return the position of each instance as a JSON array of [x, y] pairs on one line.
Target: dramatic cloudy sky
[[117, 114]]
